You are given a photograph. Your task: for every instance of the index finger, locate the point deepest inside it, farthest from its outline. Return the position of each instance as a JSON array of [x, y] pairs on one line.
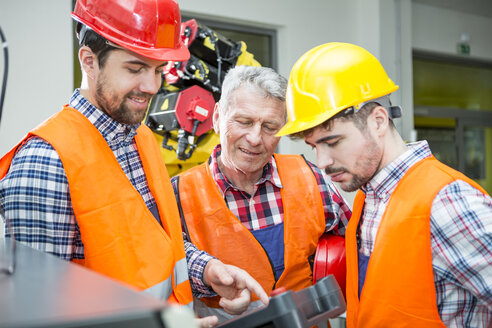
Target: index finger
[[253, 286]]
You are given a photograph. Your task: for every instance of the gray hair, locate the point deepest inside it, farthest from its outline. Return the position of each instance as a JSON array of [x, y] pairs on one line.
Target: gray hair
[[263, 79]]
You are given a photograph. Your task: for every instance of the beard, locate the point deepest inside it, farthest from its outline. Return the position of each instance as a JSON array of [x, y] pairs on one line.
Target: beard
[[115, 106], [367, 166]]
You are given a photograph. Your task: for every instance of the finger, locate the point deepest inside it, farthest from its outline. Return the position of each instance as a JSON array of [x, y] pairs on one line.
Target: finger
[[216, 272], [223, 275], [207, 322], [237, 305], [253, 286], [244, 280]]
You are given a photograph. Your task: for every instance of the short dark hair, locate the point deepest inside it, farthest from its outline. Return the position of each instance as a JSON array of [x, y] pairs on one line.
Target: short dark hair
[[358, 117], [98, 44]]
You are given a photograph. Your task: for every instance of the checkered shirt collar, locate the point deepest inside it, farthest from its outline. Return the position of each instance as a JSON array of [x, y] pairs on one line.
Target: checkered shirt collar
[[111, 130], [385, 181], [270, 173]]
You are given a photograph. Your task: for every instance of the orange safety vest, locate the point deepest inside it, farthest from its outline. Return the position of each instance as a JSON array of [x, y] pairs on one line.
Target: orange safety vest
[[213, 228], [399, 288], [121, 237]]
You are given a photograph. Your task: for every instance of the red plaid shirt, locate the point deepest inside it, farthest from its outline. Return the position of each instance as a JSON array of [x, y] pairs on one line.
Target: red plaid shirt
[[265, 207]]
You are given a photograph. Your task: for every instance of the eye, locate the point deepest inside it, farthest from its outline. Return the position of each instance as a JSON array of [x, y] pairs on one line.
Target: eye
[[133, 70], [271, 129], [244, 123], [332, 143]]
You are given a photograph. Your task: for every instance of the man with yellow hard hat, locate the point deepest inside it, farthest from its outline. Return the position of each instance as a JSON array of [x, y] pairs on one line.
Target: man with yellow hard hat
[[419, 245]]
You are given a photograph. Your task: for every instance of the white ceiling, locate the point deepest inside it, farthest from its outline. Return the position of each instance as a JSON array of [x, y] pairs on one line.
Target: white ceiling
[[475, 7]]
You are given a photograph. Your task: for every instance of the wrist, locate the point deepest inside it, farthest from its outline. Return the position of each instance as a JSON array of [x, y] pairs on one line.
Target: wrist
[[206, 271]]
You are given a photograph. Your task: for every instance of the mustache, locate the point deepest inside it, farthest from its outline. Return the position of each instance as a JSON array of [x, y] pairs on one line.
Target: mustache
[[140, 95], [331, 170]]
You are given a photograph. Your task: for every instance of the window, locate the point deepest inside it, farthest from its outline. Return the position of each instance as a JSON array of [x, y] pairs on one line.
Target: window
[[453, 112], [260, 42]]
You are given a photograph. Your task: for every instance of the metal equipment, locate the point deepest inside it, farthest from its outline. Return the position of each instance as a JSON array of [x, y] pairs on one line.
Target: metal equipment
[[45, 291], [301, 309], [180, 114]]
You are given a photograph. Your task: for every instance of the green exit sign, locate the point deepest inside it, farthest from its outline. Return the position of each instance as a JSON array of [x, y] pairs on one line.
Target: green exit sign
[[463, 48]]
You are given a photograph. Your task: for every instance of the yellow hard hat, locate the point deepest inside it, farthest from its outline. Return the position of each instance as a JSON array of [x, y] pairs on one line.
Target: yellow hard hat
[[328, 79]]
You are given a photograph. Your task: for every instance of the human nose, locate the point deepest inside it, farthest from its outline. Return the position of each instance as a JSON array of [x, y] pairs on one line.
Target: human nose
[[150, 83], [323, 158], [254, 135]]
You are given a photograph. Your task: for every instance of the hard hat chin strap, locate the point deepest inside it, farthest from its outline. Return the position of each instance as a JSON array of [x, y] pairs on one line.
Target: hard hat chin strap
[[384, 101], [394, 112], [81, 34]]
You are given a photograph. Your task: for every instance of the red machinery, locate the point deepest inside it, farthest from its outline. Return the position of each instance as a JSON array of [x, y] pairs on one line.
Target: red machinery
[[330, 259], [180, 114]]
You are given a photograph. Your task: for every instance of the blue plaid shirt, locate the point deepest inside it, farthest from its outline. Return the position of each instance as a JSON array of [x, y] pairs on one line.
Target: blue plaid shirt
[[35, 192], [461, 240]]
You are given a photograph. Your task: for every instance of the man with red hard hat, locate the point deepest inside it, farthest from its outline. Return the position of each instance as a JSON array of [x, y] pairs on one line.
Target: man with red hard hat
[[89, 184]]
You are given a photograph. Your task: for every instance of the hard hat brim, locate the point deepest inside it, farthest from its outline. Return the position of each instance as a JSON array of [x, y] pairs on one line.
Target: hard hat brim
[[165, 54], [292, 127]]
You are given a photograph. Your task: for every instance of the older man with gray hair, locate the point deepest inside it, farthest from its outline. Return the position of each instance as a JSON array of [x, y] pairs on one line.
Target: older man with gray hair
[[247, 206]]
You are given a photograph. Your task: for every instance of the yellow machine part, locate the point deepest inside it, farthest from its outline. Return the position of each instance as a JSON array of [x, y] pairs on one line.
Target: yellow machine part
[[202, 152], [205, 147], [246, 58]]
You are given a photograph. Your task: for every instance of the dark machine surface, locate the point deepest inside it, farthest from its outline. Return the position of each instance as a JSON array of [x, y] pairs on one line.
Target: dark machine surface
[[301, 309], [45, 291]]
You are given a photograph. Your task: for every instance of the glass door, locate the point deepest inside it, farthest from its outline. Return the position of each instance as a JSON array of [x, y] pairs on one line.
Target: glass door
[[453, 112]]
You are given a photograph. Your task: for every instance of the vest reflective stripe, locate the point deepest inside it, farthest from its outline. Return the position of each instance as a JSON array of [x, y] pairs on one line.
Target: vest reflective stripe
[[399, 289], [142, 253], [161, 290], [164, 289], [181, 272], [214, 228]]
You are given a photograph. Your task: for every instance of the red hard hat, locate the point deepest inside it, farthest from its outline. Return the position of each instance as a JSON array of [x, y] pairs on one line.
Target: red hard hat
[[330, 259], [150, 28]]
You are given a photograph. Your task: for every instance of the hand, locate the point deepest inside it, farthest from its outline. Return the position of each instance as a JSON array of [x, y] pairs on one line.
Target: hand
[[233, 284], [207, 322]]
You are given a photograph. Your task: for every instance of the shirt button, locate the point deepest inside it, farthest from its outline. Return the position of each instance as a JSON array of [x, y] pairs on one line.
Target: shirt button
[[252, 202]]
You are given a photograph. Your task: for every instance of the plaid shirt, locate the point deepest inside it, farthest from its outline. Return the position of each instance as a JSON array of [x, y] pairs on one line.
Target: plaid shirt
[[461, 240], [265, 207], [35, 192]]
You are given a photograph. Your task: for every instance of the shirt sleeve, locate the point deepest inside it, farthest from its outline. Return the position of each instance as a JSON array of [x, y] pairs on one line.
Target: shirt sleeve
[[337, 212], [36, 200], [461, 235], [197, 260]]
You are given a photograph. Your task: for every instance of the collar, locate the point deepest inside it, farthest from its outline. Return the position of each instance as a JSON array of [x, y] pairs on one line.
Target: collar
[[269, 175], [113, 131], [385, 181]]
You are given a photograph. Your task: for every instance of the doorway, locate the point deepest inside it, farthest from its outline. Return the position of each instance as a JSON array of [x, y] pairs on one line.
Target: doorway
[[453, 112]]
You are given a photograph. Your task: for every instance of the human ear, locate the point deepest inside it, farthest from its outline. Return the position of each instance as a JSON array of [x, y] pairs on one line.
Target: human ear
[[380, 119], [88, 61], [215, 118]]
